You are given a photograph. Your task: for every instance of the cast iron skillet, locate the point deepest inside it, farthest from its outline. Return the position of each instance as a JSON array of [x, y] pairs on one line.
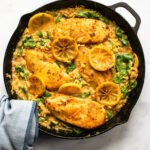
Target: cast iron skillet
[[108, 11]]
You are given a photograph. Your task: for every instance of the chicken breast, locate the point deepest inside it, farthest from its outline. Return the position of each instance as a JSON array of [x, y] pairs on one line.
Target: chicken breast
[[45, 67], [54, 76], [35, 60], [83, 113], [82, 30]]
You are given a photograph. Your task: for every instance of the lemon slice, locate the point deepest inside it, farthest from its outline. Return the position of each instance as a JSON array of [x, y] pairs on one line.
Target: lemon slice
[[40, 22], [101, 58], [37, 85], [108, 93], [136, 61], [70, 88], [64, 49]]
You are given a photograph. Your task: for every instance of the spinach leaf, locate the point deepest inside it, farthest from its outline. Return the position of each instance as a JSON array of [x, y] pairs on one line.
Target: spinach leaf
[[40, 119], [20, 70], [88, 14], [43, 98], [59, 18], [125, 91], [40, 34], [58, 63], [121, 36], [47, 94], [28, 42], [78, 131], [123, 65], [133, 85], [109, 116], [104, 19], [24, 90], [48, 36], [123, 62], [117, 79], [85, 94], [42, 43], [92, 15], [20, 51], [70, 66]]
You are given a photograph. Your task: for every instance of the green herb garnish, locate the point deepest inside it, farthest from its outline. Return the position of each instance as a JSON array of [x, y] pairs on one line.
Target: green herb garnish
[[133, 85], [121, 36], [24, 90], [47, 94], [40, 119], [125, 91], [92, 15], [20, 51], [70, 66], [59, 18], [123, 65], [85, 94], [53, 124], [58, 63], [88, 14], [43, 98], [20, 70], [40, 34], [78, 131], [109, 116], [48, 35], [28, 42], [42, 43]]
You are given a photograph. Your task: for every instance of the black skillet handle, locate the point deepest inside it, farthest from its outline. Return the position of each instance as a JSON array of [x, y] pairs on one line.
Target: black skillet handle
[[127, 7]]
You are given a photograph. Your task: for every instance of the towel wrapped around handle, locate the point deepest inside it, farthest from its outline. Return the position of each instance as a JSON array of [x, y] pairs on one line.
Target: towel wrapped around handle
[[18, 124]]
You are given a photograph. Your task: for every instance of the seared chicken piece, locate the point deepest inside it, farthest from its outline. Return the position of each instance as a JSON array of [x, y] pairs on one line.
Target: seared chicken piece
[[35, 60], [88, 73], [83, 113], [45, 67], [82, 30], [54, 76]]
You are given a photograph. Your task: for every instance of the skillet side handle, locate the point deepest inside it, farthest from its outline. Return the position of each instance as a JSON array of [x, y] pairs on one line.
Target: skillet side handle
[[127, 7]]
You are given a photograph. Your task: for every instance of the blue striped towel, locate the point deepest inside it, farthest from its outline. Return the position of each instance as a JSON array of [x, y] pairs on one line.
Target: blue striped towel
[[18, 124]]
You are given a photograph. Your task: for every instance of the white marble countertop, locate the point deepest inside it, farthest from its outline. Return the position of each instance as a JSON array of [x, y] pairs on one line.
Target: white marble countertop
[[133, 135]]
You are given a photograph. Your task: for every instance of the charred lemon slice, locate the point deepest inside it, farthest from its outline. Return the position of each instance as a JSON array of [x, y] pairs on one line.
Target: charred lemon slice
[[108, 93], [70, 88], [37, 85], [136, 61], [101, 58], [40, 22], [64, 49]]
